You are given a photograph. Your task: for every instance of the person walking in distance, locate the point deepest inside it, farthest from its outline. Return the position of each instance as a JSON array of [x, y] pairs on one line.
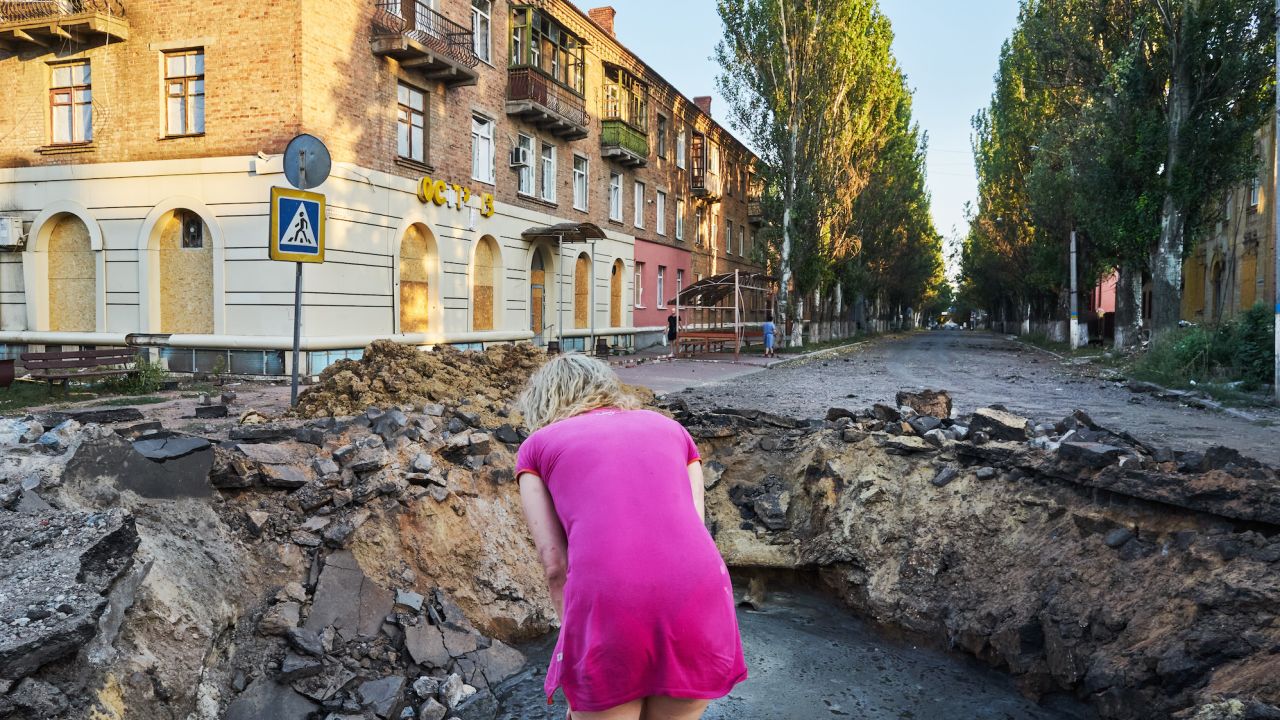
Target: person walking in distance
[[672, 332], [770, 331], [613, 497]]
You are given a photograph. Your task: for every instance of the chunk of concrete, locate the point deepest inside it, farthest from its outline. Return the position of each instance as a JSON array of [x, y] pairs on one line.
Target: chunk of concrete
[[999, 425], [112, 459], [267, 699], [348, 600], [170, 448]]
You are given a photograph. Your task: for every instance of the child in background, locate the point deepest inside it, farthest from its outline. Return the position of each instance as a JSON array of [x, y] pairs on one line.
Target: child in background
[[770, 330]]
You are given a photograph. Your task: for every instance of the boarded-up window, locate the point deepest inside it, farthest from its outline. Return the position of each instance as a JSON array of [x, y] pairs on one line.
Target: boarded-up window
[[537, 293], [615, 294], [1249, 278], [73, 305], [482, 292], [415, 281], [1193, 271], [581, 291], [186, 274]]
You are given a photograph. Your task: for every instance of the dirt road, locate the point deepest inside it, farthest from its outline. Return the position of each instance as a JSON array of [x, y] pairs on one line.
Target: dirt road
[[981, 369]]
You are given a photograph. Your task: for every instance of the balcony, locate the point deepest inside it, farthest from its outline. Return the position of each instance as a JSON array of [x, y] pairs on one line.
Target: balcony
[[53, 24], [755, 210], [422, 39], [704, 185], [542, 102], [622, 142]]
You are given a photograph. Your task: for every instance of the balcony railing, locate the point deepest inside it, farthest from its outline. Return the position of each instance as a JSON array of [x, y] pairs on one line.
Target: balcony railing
[[420, 37], [52, 24], [25, 10], [542, 101], [623, 142], [755, 210]]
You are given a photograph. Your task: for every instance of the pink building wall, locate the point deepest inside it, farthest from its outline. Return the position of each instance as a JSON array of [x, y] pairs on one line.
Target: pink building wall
[[1104, 295], [651, 310]]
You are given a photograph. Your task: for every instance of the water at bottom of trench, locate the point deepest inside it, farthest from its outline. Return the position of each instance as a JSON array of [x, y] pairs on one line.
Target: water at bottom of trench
[[810, 658]]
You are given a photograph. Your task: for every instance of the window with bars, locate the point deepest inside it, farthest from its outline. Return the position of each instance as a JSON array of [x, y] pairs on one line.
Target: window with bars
[[71, 103], [411, 123], [184, 92]]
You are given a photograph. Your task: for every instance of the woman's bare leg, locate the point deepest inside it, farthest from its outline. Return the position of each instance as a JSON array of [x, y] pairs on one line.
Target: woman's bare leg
[[630, 711], [659, 707]]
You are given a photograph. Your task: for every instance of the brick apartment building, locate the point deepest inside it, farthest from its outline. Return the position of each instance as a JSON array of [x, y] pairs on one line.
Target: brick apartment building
[[139, 140]]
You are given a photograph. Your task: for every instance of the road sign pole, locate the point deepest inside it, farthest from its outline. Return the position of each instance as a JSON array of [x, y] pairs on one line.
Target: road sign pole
[[297, 333]]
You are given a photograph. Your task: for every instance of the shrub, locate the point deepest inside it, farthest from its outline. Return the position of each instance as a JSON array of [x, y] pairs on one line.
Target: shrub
[[1239, 350]]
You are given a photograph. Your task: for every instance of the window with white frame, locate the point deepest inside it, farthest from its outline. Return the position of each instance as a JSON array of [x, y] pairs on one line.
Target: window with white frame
[[639, 285], [481, 21], [411, 123], [615, 196], [524, 171], [660, 207], [728, 238], [661, 287], [1255, 192], [579, 182], [639, 202], [742, 240], [679, 281], [679, 219], [548, 172], [184, 92], [697, 227], [482, 149], [681, 147], [71, 103]]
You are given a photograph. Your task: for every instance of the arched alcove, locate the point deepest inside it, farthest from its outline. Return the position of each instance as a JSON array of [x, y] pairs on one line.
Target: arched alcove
[[418, 288], [486, 266], [183, 247], [582, 292], [73, 280]]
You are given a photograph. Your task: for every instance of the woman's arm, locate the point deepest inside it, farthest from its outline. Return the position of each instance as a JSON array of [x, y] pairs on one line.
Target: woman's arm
[[699, 492], [548, 535]]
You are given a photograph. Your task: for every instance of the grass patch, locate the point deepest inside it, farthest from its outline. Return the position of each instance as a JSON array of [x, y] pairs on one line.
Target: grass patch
[[1231, 359], [138, 389], [126, 401]]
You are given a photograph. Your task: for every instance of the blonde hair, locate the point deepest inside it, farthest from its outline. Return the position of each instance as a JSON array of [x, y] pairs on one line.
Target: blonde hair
[[570, 385]]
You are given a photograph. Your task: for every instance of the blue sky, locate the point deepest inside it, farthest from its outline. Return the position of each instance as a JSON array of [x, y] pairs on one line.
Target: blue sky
[[948, 49]]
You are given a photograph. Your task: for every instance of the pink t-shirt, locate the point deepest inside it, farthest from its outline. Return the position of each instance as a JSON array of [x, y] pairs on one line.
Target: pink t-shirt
[[649, 607]]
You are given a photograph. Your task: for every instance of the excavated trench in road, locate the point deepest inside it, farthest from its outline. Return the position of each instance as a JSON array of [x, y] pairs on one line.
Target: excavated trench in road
[[810, 657]]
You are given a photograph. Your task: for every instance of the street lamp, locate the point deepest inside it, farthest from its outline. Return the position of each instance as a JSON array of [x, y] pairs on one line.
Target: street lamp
[[1073, 326]]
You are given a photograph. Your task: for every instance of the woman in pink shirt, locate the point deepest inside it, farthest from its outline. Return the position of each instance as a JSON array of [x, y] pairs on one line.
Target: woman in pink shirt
[[614, 499]]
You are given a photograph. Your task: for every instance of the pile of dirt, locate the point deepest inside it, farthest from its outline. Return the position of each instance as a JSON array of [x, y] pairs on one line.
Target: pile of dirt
[[391, 374]]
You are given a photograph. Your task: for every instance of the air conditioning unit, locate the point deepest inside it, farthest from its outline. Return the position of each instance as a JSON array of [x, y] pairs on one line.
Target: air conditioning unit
[[519, 157], [11, 237]]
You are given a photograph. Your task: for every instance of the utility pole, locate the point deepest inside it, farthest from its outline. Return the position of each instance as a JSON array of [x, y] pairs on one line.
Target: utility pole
[[1073, 327], [1275, 211]]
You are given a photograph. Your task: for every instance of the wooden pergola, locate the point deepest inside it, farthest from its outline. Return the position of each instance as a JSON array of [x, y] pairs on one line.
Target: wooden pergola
[[721, 322]]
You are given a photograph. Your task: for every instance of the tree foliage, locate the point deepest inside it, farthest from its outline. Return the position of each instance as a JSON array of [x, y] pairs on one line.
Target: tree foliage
[[1126, 121], [814, 85]]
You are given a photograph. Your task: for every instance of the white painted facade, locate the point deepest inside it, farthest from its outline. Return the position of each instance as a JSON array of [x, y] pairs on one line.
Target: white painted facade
[[348, 301]]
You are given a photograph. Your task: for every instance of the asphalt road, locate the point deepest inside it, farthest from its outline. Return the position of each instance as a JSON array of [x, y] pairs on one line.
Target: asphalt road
[[809, 659], [978, 369]]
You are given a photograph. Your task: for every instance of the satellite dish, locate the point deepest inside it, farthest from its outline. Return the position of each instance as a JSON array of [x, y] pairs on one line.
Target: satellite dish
[[306, 162]]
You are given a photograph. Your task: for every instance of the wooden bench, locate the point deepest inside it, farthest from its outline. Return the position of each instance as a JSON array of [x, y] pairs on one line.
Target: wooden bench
[[63, 367]]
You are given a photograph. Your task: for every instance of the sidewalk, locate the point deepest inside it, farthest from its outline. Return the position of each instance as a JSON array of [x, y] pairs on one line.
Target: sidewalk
[[656, 370]]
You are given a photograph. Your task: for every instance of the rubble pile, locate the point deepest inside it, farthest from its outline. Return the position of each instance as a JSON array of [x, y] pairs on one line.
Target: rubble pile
[[1145, 580], [392, 374], [327, 568]]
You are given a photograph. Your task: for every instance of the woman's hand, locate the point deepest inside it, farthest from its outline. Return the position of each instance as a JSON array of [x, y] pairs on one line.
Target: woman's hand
[[548, 535]]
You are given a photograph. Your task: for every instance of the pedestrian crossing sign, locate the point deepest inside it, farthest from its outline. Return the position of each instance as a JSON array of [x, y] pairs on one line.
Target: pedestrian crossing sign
[[297, 225]]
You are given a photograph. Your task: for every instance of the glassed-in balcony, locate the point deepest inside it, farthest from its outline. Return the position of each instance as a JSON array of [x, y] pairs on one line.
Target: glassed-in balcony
[[621, 142], [422, 39], [27, 25], [755, 209]]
